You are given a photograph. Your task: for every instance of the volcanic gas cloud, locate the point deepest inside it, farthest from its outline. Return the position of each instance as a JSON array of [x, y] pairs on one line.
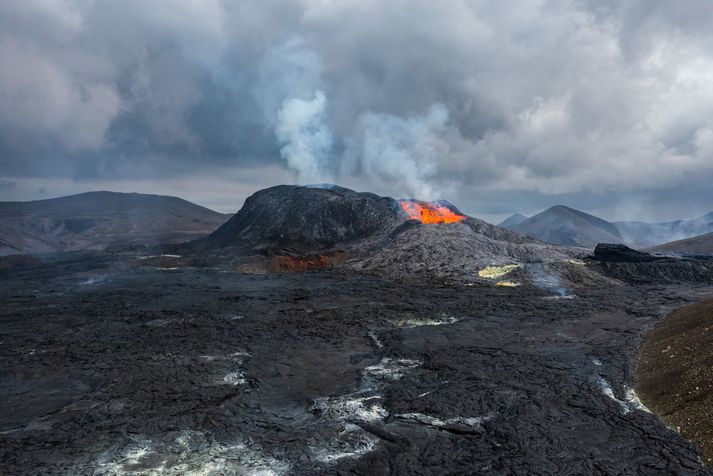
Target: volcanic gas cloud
[[430, 212]]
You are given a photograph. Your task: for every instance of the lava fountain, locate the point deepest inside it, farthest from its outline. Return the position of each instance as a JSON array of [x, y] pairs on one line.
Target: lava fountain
[[430, 212]]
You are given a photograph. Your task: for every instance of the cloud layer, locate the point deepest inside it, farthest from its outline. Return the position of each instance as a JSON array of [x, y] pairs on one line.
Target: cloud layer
[[500, 105]]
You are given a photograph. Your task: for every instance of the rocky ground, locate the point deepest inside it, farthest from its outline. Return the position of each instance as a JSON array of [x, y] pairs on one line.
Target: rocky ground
[[675, 373], [123, 365]]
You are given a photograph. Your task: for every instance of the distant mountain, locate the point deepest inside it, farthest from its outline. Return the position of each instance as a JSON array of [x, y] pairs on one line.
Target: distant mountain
[[96, 220], [649, 234], [562, 225], [566, 226], [697, 245], [512, 221]]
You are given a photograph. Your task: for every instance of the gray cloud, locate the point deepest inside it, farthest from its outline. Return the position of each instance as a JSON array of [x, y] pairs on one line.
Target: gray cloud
[[520, 102], [7, 184]]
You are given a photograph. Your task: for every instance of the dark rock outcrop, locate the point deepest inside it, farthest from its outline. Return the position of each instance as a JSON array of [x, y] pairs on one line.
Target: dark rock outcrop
[[615, 253], [622, 263]]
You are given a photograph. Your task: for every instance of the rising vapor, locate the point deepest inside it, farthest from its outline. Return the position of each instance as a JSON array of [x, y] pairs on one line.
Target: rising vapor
[[305, 137]]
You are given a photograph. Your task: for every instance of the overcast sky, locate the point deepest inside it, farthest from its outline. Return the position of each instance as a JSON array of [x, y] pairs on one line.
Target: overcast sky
[[497, 106]]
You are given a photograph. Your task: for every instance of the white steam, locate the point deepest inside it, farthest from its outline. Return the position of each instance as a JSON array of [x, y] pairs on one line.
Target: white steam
[[402, 152], [304, 136], [295, 106], [392, 153]]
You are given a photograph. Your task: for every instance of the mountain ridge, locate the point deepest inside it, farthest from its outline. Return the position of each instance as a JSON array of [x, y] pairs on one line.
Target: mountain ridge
[[99, 219], [563, 225]]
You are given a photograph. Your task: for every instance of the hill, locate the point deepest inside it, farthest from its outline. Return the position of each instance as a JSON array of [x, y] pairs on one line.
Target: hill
[[306, 219], [698, 245], [649, 234], [97, 220], [512, 221], [562, 225], [679, 390]]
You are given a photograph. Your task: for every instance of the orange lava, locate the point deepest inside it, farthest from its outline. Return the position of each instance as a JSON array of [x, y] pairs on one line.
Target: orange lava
[[430, 213]]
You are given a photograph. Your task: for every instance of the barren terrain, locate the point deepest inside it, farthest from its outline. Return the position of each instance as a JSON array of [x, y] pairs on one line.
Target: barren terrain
[[113, 364]]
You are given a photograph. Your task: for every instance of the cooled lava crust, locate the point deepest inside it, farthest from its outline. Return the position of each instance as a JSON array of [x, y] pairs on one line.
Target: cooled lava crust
[[108, 367]]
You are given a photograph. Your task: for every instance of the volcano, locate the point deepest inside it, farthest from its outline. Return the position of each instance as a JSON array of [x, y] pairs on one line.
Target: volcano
[[299, 227], [307, 219]]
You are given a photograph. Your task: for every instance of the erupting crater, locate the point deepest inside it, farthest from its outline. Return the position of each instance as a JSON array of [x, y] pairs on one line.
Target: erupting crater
[[430, 213]]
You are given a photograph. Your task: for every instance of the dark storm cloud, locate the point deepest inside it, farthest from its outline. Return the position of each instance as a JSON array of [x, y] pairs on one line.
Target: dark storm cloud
[[519, 102]]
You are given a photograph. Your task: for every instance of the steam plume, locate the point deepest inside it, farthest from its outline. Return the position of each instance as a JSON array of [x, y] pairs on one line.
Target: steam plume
[[402, 152], [304, 136], [294, 105]]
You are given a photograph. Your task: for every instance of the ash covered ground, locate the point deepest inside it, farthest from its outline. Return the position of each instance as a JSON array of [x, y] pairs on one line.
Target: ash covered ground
[[212, 363], [109, 368]]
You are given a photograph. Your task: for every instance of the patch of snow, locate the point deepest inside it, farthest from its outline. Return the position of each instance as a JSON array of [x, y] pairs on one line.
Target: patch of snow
[[92, 280], [411, 323], [376, 340], [388, 369], [559, 297], [473, 422], [607, 391], [353, 442], [345, 408], [631, 400], [360, 406], [191, 454], [235, 378]]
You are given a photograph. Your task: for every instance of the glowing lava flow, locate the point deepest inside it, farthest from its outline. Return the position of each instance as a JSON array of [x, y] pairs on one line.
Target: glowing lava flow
[[430, 213]]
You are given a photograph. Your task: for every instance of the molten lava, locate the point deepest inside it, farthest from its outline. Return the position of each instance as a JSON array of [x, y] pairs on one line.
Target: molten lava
[[430, 213]]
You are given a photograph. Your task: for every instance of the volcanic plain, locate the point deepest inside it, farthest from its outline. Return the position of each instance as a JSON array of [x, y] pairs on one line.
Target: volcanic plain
[[329, 342]]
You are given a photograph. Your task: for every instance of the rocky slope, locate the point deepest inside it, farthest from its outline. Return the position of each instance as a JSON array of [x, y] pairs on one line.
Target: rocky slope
[[306, 219], [97, 220], [698, 245], [512, 221], [674, 376], [455, 251]]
